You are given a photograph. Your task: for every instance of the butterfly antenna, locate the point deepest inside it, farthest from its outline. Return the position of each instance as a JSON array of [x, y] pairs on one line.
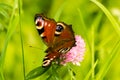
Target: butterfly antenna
[[28, 45], [36, 47]]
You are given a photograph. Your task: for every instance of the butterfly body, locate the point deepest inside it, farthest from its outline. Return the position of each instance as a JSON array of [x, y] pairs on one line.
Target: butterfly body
[[58, 36]]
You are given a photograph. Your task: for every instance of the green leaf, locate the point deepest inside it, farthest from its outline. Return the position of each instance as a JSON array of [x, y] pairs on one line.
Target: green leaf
[[53, 77], [36, 72]]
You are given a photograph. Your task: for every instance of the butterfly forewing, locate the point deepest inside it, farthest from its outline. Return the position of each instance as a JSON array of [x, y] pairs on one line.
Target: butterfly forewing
[[46, 28]]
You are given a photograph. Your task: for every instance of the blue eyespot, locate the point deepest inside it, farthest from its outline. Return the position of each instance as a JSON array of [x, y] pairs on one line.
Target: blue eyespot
[[59, 28]]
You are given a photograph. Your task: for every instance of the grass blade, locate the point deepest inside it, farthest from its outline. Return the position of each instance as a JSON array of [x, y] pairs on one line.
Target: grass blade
[[90, 72], [4, 8], [105, 68], [59, 11], [20, 15], [92, 51], [84, 28], [11, 28], [109, 16]]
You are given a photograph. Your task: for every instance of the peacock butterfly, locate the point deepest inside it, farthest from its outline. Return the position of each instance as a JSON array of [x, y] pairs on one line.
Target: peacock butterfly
[[58, 36]]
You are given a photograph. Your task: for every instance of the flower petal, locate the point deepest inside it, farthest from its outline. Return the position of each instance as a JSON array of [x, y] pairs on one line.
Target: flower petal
[[75, 55]]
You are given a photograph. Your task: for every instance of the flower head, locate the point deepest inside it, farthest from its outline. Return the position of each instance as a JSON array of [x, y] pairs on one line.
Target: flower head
[[75, 55]]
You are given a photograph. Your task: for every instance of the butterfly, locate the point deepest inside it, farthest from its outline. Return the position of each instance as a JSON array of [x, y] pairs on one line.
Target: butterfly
[[58, 36]]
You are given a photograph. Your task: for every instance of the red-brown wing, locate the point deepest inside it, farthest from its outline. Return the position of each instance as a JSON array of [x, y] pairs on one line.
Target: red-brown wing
[[49, 58], [59, 37], [46, 28], [64, 40], [64, 36]]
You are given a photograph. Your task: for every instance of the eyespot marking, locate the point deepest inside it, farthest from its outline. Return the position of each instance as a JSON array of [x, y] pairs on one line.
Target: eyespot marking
[[46, 63], [39, 22], [64, 50], [54, 56], [59, 28], [51, 59]]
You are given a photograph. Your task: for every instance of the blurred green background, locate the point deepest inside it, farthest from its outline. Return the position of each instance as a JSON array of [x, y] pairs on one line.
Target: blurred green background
[[101, 60]]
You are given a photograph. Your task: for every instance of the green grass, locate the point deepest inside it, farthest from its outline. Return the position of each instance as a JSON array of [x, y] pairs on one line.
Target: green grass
[[94, 20], [21, 37], [11, 28]]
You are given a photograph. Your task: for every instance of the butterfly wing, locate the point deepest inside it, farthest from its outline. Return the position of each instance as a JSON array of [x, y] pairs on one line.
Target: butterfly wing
[[46, 28], [66, 35], [64, 40], [59, 37]]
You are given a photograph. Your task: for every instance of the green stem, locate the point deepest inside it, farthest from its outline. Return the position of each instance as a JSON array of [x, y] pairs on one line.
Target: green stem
[[92, 50], [8, 36], [20, 13], [71, 73], [90, 72]]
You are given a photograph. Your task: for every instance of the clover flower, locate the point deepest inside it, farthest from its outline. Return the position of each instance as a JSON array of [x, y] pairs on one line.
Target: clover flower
[[76, 54]]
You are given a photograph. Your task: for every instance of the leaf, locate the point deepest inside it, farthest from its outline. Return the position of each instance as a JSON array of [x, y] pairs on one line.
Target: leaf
[[36, 72]]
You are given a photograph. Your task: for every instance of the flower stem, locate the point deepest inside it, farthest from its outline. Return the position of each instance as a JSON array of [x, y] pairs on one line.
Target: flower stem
[[71, 73]]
